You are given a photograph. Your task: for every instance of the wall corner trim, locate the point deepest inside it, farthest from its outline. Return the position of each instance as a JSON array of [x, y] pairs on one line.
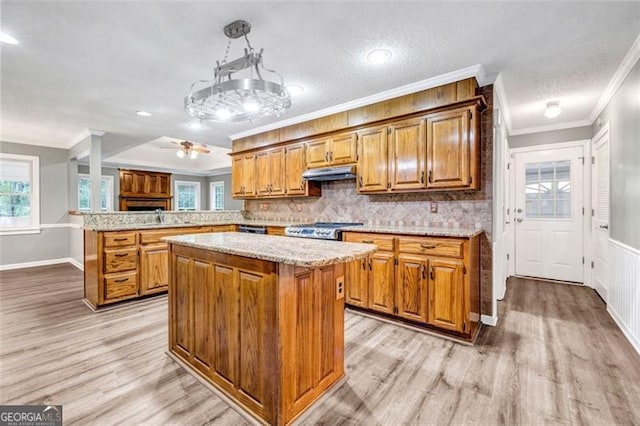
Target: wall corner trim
[[489, 320]]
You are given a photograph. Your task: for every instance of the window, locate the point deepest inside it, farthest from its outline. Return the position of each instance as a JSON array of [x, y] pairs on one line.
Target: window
[[216, 195], [187, 196], [19, 193], [548, 190], [84, 193]]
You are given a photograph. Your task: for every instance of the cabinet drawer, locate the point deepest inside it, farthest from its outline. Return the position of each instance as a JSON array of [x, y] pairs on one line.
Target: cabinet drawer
[[384, 242], [117, 286], [432, 246], [122, 239], [155, 236], [120, 259]]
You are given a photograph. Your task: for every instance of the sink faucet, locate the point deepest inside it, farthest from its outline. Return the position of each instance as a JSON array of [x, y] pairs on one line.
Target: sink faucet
[[160, 214]]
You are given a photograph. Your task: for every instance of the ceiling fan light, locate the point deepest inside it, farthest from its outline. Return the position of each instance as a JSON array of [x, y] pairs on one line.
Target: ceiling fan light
[[553, 109], [180, 153], [223, 114], [193, 154]]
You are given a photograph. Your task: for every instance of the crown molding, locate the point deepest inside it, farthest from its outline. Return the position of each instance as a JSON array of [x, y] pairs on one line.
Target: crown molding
[[628, 62], [451, 77], [153, 166], [551, 127], [498, 89]]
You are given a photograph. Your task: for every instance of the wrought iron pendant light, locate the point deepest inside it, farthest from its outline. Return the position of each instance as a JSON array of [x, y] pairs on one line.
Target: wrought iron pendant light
[[228, 97]]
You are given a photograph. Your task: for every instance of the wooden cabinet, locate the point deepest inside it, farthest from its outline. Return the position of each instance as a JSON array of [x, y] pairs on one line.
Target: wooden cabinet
[[122, 265], [373, 158], [332, 151], [270, 174], [407, 145], [452, 149], [142, 183], [428, 281], [243, 172], [269, 336]]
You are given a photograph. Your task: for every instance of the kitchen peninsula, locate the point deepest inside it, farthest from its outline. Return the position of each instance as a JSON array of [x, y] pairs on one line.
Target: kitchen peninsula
[[260, 317]]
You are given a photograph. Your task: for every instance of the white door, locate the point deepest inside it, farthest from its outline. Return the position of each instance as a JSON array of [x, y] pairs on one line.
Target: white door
[[600, 213], [549, 215]]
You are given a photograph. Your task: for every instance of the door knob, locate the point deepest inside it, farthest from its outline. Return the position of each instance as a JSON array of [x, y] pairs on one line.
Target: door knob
[[604, 226], [519, 219], [519, 210]]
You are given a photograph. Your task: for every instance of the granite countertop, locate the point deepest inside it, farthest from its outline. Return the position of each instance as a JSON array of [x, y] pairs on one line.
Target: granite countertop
[[143, 226], [416, 230], [292, 251]]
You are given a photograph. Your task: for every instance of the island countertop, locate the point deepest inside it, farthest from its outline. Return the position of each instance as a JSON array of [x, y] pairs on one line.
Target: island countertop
[[288, 250]]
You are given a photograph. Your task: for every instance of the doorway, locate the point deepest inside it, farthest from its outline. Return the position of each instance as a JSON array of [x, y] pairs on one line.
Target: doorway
[[549, 212], [600, 211]]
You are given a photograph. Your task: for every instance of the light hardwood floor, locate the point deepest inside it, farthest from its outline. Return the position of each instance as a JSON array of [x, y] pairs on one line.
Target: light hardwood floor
[[555, 357]]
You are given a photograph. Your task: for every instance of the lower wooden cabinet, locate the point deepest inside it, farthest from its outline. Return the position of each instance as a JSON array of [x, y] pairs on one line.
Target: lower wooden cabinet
[[154, 268], [434, 282]]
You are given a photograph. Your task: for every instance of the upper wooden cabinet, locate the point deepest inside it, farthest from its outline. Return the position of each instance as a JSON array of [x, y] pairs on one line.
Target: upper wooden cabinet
[[332, 151], [269, 172], [144, 184], [373, 157], [243, 171], [453, 155], [275, 172], [439, 151]]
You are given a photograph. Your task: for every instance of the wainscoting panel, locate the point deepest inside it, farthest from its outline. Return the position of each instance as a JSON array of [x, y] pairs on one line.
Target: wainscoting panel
[[624, 289]]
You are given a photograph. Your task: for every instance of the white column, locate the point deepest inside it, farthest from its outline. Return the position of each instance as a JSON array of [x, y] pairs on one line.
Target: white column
[[95, 169], [73, 184]]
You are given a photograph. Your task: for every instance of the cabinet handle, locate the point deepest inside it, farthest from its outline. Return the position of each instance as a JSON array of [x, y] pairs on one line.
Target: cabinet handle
[[370, 264], [326, 157], [367, 241], [119, 239], [122, 280], [422, 177], [364, 263], [330, 155], [431, 273], [427, 246], [429, 176], [422, 271], [121, 254], [360, 178], [302, 184]]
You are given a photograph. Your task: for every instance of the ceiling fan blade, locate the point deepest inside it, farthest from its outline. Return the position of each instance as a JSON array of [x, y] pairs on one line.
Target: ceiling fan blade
[[200, 149], [176, 143]]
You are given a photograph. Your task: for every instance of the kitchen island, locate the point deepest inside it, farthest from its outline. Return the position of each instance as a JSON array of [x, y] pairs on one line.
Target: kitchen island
[[260, 317]]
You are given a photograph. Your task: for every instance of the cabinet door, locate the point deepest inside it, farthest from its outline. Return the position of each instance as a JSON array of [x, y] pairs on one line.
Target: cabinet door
[[202, 316], [249, 175], [226, 314], [407, 146], [276, 171], [357, 283], [372, 160], [446, 307], [448, 153], [318, 153], [381, 282], [263, 167], [343, 149], [237, 182], [154, 268], [294, 167], [182, 307], [411, 288]]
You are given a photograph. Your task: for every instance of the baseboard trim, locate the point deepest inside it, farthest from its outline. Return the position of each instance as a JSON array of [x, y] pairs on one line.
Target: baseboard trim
[[75, 263], [489, 320], [45, 262], [625, 330]]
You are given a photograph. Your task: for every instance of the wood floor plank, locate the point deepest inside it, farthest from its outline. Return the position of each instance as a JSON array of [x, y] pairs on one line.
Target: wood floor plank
[[555, 356]]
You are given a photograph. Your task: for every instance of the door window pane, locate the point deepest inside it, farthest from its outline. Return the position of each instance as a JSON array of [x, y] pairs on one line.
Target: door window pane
[[548, 190]]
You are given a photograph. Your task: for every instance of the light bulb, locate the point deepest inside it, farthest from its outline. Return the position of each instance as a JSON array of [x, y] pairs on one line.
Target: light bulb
[[223, 113], [553, 109], [180, 154], [378, 56], [193, 155], [251, 105]]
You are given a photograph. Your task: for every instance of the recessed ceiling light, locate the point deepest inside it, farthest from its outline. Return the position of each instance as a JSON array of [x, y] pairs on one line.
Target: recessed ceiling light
[[553, 109], [144, 113], [378, 56], [294, 89], [6, 38]]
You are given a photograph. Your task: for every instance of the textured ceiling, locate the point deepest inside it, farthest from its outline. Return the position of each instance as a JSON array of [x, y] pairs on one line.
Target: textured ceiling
[[93, 64]]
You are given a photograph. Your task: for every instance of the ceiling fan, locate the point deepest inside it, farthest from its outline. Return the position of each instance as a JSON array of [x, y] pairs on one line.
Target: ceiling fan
[[189, 149]]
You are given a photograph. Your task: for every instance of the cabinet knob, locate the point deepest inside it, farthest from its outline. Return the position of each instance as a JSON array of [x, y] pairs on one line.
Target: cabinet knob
[[360, 179]]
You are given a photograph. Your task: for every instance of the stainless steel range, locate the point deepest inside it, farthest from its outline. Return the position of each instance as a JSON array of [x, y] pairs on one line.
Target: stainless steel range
[[319, 230]]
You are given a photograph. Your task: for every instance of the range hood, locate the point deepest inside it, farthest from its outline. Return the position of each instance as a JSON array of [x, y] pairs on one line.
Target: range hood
[[330, 173]]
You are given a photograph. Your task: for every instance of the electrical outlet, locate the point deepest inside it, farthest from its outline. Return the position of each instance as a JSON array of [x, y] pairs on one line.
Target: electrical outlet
[[434, 207], [339, 288]]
